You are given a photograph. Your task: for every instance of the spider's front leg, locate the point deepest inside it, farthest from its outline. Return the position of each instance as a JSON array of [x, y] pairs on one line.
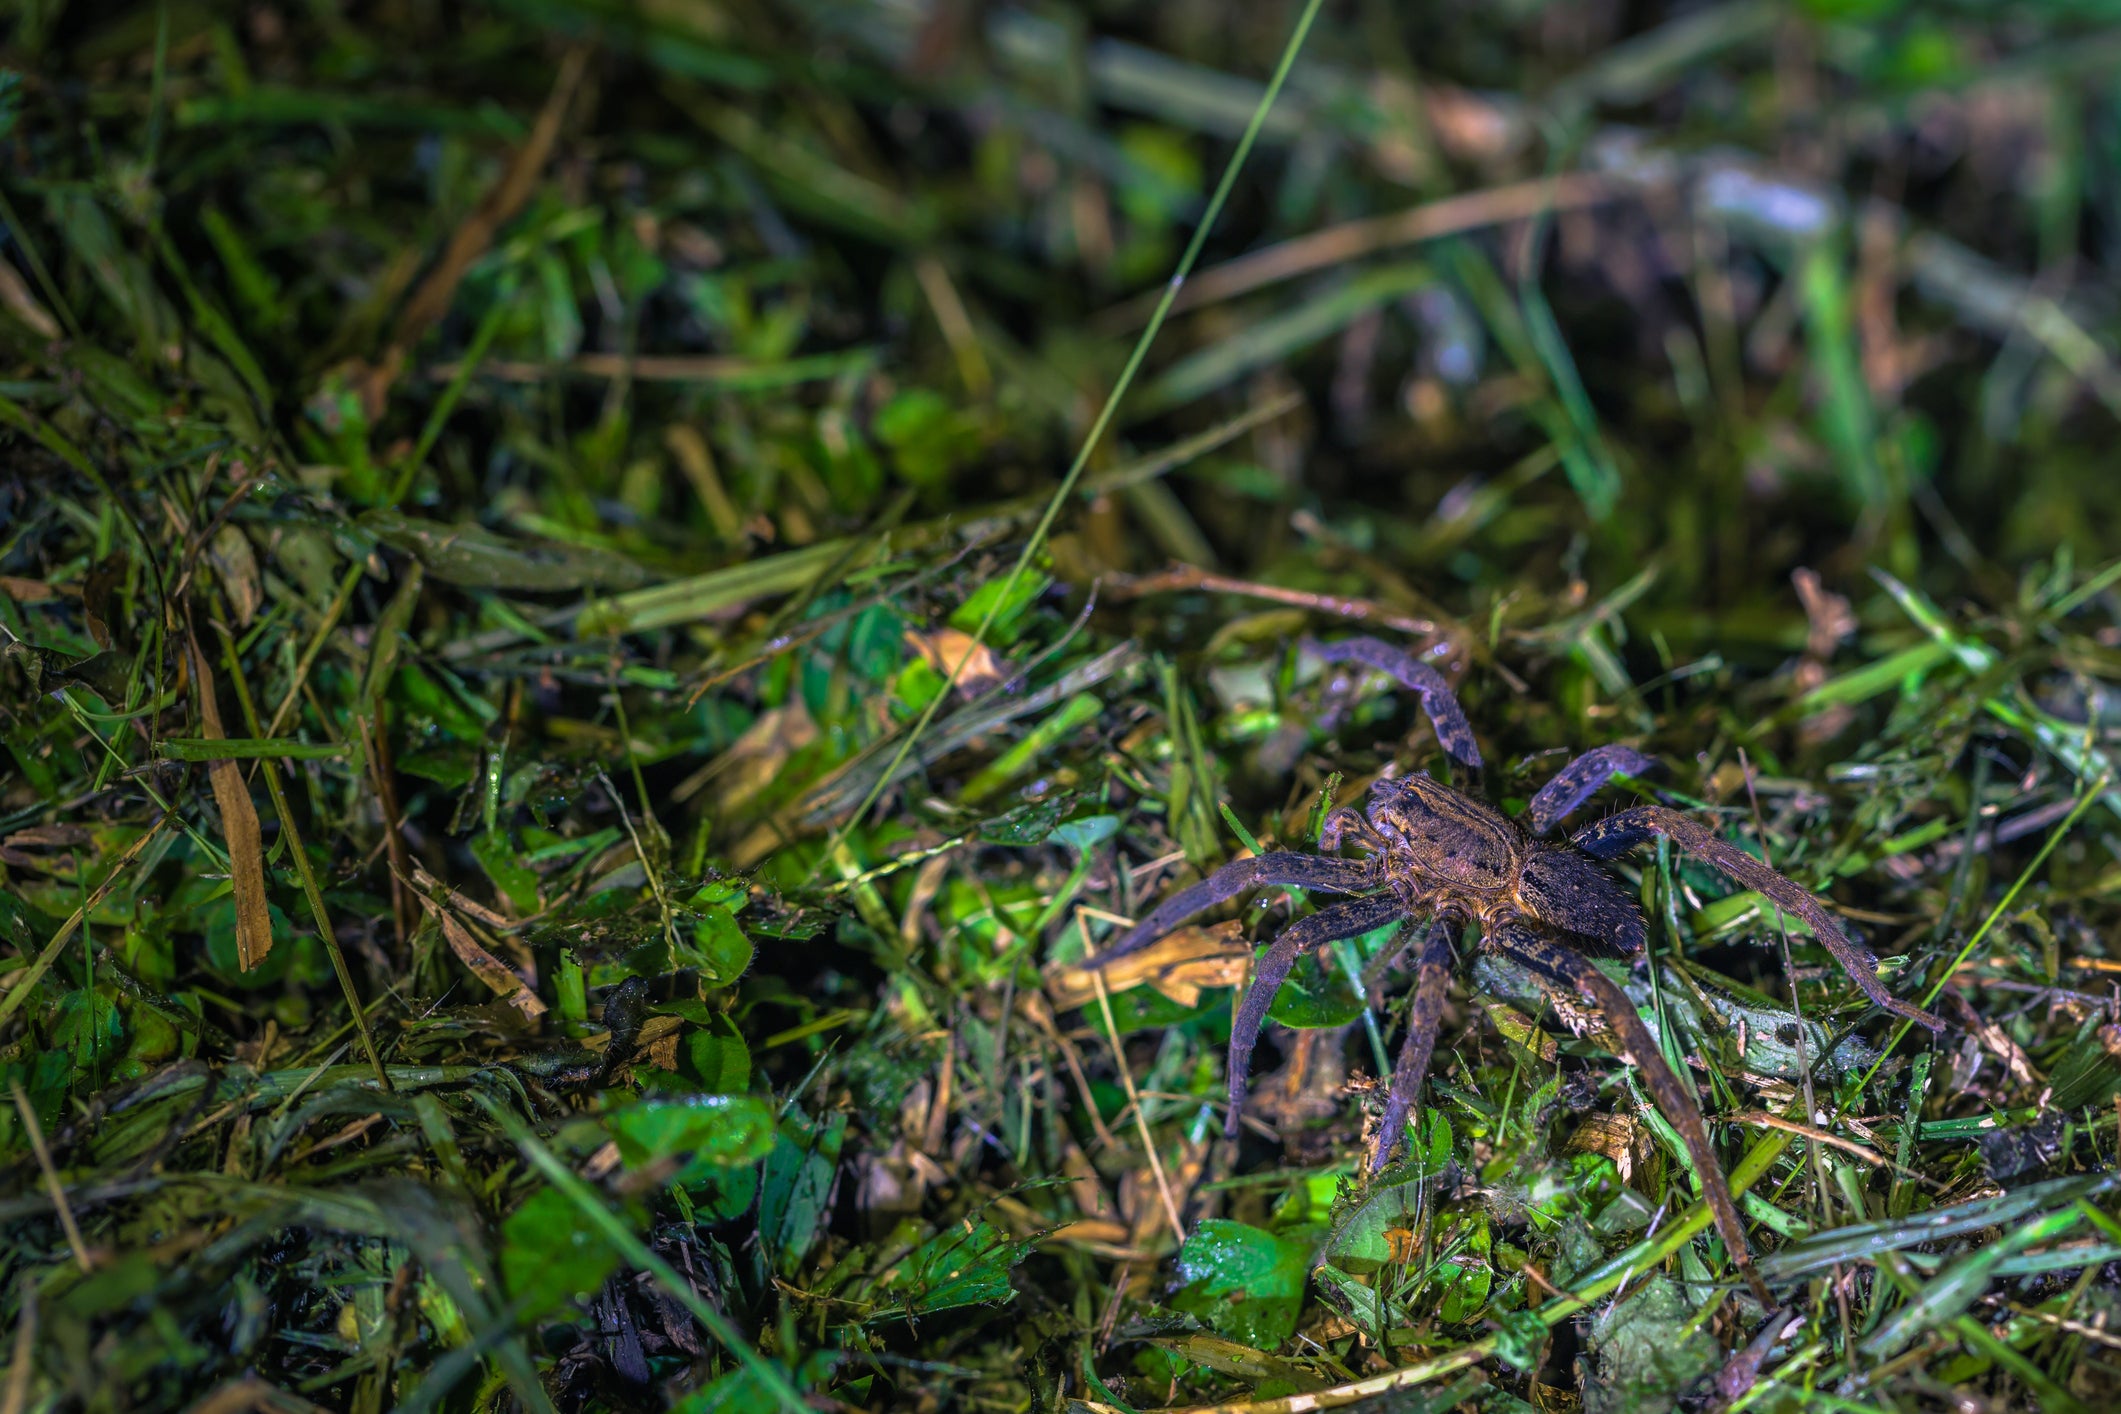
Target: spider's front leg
[[1616, 834], [1453, 732], [1342, 920], [1558, 963], [1578, 781], [1431, 976], [1283, 867]]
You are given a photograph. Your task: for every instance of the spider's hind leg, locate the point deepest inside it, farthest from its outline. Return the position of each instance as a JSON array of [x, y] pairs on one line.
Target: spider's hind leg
[[1673, 1096], [1432, 976], [1616, 833], [1341, 920]]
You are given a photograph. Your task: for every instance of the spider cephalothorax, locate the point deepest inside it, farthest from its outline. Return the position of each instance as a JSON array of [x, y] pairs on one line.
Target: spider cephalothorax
[[1439, 857], [1459, 859]]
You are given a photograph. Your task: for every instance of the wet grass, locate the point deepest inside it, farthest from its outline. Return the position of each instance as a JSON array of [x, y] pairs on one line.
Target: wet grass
[[600, 604]]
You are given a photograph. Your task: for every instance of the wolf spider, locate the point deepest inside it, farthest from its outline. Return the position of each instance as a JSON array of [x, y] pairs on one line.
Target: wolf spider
[[1436, 854]]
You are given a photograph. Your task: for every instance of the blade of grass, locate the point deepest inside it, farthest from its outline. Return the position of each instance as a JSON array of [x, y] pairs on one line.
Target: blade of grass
[[24, 981], [621, 1237], [1105, 415], [1600, 1282], [2010, 895], [305, 870]]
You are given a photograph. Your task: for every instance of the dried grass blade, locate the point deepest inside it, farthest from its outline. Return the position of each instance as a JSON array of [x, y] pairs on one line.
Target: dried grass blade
[[239, 825]]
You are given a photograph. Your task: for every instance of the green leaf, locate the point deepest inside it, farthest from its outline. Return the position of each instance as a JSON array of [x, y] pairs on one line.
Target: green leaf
[[112, 1287], [724, 950], [1027, 824], [1520, 1339], [517, 881], [474, 556], [793, 1187], [449, 764], [186, 748], [725, 1193], [1245, 1282], [717, 1057], [551, 1254], [1086, 833], [1649, 1349], [1274, 338], [1314, 995], [710, 1131], [1006, 611], [2087, 1074], [928, 437], [1141, 1008], [1361, 1240], [740, 1391], [221, 952], [1467, 1276], [967, 1264]]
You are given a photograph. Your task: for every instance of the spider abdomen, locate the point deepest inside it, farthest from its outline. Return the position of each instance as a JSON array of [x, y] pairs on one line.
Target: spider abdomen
[[1567, 890]]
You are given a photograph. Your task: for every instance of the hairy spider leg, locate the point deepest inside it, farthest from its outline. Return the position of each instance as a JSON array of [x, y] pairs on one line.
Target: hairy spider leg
[[1283, 867], [1615, 834], [1581, 779], [1342, 920], [1639, 1048], [1453, 732], [1432, 976]]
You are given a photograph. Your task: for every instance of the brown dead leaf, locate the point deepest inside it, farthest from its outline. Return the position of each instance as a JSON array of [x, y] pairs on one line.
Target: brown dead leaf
[[1998, 1043], [945, 648], [49, 837], [658, 1044], [1086, 1184], [471, 238], [239, 825], [1514, 1026], [1310, 1087], [236, 568], [483, 964], [1181, 965], [1473, 128], [26, 591], [1617, 1136], [1094, 1233], [16, 299], [1829, 619], [99, 601], [696, 460], [500, 923], [753, 759]]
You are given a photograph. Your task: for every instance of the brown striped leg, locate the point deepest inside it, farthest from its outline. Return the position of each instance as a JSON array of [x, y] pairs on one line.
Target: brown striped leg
[[1578, 781], [1432, 977], [1286, 868], [1617, 833], [1556, 961], [1453, 732], [1342, 920]]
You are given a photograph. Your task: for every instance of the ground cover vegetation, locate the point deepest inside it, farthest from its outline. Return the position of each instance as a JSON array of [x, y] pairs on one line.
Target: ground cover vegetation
[[603, 605]]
